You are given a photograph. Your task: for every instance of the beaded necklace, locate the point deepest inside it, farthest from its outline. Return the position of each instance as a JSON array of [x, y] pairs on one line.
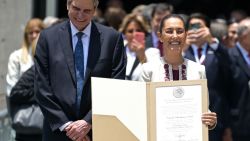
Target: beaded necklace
[[182, 69]]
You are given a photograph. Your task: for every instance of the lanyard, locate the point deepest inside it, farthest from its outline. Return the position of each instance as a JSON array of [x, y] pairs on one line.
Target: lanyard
[[203, 55]]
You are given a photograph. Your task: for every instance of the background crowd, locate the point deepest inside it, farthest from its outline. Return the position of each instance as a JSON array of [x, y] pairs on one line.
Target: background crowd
[[222, 45]]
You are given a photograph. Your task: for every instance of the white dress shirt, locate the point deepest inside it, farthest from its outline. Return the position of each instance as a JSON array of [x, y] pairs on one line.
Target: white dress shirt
[[85, 41], [203, 53]]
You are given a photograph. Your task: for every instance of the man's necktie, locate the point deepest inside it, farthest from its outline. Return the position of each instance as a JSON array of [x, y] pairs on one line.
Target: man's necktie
[[79, 67], [160, 47], [199, 52]]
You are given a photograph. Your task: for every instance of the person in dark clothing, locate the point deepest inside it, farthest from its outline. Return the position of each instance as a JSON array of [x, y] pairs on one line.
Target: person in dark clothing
[[239, 102], [206, 50], [23, 94]]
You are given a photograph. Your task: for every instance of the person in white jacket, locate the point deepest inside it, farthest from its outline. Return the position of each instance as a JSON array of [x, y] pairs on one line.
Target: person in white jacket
[[21, 60], [134, 30]]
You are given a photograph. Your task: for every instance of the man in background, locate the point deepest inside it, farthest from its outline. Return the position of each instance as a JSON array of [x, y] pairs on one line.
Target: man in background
[[160, 10], [239, 102], [206, 50]]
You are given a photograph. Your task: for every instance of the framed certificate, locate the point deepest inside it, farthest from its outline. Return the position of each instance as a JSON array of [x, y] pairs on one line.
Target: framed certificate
[[175, 110], [148, 111]]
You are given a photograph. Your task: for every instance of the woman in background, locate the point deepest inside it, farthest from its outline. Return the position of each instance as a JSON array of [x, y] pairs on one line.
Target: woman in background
[[134, 30], [20, 90], [21, 60]]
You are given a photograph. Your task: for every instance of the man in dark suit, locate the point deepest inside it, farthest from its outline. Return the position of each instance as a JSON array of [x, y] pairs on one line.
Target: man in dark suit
[[159, 11], [67, 55], [204, 49], [240, 100]]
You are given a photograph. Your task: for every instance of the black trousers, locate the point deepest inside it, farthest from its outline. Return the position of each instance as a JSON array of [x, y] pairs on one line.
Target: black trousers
[[28, 137], [241, 138]]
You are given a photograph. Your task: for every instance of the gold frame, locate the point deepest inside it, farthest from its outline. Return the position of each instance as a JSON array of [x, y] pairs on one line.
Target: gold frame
[[151, 103]]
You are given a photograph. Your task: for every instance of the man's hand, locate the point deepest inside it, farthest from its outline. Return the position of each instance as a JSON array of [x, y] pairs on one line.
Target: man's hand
[[204, 34], [191, 37], [78, 130], [199, 36]]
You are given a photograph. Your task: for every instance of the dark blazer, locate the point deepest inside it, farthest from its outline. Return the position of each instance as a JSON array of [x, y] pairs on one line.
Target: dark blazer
[[22, 94], [23, 91], [240, 100], [149, 40], [55, 78], [218, 77]]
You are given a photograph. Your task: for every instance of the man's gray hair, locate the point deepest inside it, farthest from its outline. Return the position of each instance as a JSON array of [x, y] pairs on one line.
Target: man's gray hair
[[218, 28], [243, 27], [96, 2]]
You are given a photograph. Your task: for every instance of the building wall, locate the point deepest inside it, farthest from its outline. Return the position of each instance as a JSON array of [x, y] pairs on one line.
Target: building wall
[[13, 17]]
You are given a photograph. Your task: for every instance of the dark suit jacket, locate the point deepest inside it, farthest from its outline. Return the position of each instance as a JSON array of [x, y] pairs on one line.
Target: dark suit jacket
[[22, 95], [55, 78], [149, 40], [218, 77], [240, 100], [23, 91]]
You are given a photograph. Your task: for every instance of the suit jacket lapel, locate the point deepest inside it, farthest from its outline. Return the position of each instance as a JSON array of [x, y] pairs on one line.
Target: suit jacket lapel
[[209, 57], [149, 41], [241, 61], [189, 54], [94, 51], [66, 44]]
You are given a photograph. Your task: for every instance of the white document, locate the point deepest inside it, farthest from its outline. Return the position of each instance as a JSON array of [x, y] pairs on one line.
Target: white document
[[178, 113]]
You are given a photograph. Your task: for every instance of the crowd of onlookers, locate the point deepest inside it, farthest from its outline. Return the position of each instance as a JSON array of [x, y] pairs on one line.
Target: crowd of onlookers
[[221, 45]]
